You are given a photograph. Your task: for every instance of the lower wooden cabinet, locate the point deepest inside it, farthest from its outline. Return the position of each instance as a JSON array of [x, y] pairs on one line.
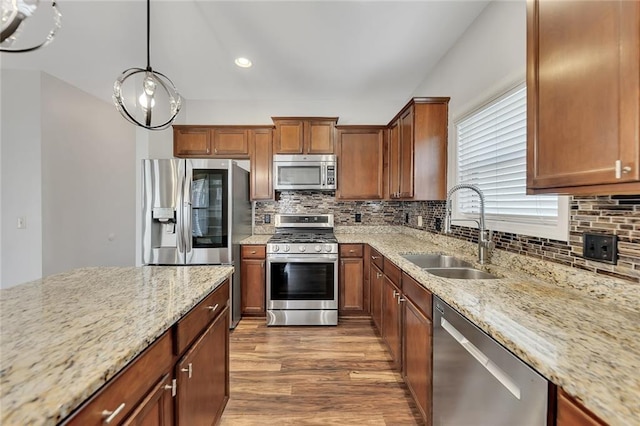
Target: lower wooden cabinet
[[202, 376], [571, 413], [253, 280], [353, 295], [152, 391], [391, 316], [376, 278]]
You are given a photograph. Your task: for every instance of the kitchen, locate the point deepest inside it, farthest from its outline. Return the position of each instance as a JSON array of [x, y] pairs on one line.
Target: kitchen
[[44, 248]]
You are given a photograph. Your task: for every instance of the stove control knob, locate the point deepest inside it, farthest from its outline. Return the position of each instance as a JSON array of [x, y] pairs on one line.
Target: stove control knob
[[276, 248], [302, 249], [286, 248], [318, 249], [327, 248]]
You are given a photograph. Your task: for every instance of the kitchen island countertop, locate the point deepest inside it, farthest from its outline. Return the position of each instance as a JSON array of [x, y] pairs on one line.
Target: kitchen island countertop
[[578, 329], [64, 336]]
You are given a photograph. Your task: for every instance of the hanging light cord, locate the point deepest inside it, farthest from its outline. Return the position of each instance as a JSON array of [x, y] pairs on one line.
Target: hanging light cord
[[148, 34]]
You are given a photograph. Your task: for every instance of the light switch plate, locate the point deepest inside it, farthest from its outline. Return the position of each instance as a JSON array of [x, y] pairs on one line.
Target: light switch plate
[[600, 247]]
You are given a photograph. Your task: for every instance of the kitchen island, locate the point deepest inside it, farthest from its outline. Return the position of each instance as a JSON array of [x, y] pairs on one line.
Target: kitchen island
[[577, 329], [64, 336]]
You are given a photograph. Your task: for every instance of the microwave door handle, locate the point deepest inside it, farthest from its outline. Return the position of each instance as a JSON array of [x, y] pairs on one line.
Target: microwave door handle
[[323, 173]]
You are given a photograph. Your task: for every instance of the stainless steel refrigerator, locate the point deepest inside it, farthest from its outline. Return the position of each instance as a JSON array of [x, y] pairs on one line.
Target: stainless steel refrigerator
[[196, 212]]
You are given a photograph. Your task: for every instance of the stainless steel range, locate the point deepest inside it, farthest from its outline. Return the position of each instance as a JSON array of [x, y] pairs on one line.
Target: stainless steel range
[[302, 271]]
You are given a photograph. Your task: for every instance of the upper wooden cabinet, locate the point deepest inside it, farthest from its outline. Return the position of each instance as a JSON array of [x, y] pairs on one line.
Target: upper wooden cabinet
[[304, 135], [417, 150], [583, 68], [191, 141], [261, 155], [212, 141], [230, 141], [360, 153]]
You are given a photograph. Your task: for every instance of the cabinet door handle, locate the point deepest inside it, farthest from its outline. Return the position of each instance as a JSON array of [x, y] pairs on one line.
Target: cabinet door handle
[[215, 150], [395, 293], [172, 387], [110, 415], [189, 370], [400, 298], [212, 309], [375, 257], [262, 265], [378, 274], [620, 170]]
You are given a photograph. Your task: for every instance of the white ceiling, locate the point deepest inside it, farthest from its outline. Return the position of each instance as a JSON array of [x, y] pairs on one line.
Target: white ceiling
[[301, 50]]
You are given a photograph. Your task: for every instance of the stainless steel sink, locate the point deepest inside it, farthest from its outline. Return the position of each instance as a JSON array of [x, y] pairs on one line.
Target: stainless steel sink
[[436, 260], [461, 273]]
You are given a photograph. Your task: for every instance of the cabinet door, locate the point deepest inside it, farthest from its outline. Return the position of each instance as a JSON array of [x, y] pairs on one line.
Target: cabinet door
[[417, 336], [406, 154], [156, 409], [320, 137], [572, 413], [394, 160], [360, 157], [391, 319], [351, 286], [376, 277], [261, 164], [583, 62], [289, 137], [191, 141], [430, 132], [202, 376], [230, 142], [253, 287]]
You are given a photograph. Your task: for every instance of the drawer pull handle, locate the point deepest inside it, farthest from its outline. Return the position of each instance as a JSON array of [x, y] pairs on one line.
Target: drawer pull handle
[[213, 308], [110, 415], [253, 252], [171, 387], [189, 369], [352, 251], [375, 257]]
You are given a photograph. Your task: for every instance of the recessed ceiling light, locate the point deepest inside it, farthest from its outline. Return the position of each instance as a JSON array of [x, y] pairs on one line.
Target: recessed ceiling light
[[243, 62]]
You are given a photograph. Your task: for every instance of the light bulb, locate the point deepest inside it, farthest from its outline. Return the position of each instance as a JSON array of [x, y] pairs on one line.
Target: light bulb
[[243, 62], [143, 100]]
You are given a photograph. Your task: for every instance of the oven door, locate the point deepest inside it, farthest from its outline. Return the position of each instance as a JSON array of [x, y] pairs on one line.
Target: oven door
[[302, 282]]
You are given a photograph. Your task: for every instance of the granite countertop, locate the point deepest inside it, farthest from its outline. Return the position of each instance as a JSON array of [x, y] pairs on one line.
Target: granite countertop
[[579, 330], [64, 336]]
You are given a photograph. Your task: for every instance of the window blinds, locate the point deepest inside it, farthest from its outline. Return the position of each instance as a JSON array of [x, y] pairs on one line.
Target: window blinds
[[492, 154]]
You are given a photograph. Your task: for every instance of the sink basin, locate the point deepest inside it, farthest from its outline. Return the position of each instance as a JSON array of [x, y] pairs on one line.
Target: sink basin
[[435, 260], [461, 273]]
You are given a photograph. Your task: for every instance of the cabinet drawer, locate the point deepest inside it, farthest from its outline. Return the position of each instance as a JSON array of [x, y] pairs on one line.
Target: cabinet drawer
[[351, 250], [194, 322], [128, 387], [377, 258], [420, 296], [254, 252], [393, 272]]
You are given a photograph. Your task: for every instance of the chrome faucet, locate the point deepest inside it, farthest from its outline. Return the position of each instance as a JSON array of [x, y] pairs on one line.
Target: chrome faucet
[[485, 245]]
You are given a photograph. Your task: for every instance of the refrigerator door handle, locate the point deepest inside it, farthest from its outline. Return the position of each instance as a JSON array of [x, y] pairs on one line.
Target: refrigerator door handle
[[186, 212], [180, 213]]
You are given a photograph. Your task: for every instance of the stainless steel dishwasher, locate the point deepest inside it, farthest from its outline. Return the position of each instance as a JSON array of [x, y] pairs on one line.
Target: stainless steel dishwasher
[[478, 382]]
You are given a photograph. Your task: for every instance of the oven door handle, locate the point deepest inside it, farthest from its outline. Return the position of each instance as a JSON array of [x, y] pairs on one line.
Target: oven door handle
[[310, 259]]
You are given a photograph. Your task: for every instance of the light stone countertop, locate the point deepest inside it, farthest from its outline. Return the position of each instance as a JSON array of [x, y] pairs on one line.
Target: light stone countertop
[[578, 329], [64, 336]]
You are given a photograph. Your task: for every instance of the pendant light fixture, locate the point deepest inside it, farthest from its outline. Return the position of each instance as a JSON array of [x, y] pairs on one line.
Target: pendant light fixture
[[145, 97], [16, 14]]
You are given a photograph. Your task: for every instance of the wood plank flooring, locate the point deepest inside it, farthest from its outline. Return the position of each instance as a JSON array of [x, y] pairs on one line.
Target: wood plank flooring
[[314, 376]]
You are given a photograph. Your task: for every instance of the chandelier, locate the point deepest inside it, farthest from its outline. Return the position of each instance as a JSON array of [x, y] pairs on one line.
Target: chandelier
[[19, 15]]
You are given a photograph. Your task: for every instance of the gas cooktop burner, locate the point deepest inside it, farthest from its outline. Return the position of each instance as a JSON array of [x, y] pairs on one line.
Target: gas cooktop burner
[[303, 234], [303, 238]]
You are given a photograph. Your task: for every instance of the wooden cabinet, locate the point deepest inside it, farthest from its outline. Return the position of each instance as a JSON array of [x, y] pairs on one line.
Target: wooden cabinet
[[230, 142], [353, 294], [417, 150], [304, 135], [191, 141], [157, 408], [202, 376], [377, 278], [391, 316], [151, 390], [583, 109], [253, 280], [360, 153], [571, 413], [261, 154], [417, 340]]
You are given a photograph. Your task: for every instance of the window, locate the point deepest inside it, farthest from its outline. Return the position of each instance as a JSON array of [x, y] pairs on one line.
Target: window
[[492, 154]]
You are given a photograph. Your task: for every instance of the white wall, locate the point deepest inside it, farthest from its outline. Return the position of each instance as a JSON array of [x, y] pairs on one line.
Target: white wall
[[88, 181], [488, 58], [21, 249]]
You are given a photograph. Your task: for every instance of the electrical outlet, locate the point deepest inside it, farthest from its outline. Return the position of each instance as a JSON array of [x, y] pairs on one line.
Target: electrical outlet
[[267, 218], [358, 217], [600, 247], [419, 221], [438, 224], [22, 223], [406, 218]]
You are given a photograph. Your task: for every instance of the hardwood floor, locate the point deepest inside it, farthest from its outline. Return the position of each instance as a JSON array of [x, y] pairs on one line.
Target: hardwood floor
[[314, 376]]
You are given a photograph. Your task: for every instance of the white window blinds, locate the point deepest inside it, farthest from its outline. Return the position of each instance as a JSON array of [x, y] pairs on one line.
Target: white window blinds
[[492, 145]]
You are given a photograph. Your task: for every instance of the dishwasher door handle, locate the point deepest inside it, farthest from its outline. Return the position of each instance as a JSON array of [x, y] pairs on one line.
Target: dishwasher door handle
[[484, 360]]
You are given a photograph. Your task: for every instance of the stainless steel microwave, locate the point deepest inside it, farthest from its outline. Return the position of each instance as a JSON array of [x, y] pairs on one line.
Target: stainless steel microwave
[[291, 172]]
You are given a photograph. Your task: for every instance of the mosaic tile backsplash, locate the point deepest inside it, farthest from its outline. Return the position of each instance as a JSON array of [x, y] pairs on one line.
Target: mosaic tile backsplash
[[618, 215]]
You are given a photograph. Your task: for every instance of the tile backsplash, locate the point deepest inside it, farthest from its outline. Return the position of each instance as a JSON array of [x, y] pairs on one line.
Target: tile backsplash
[[619, 215]]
